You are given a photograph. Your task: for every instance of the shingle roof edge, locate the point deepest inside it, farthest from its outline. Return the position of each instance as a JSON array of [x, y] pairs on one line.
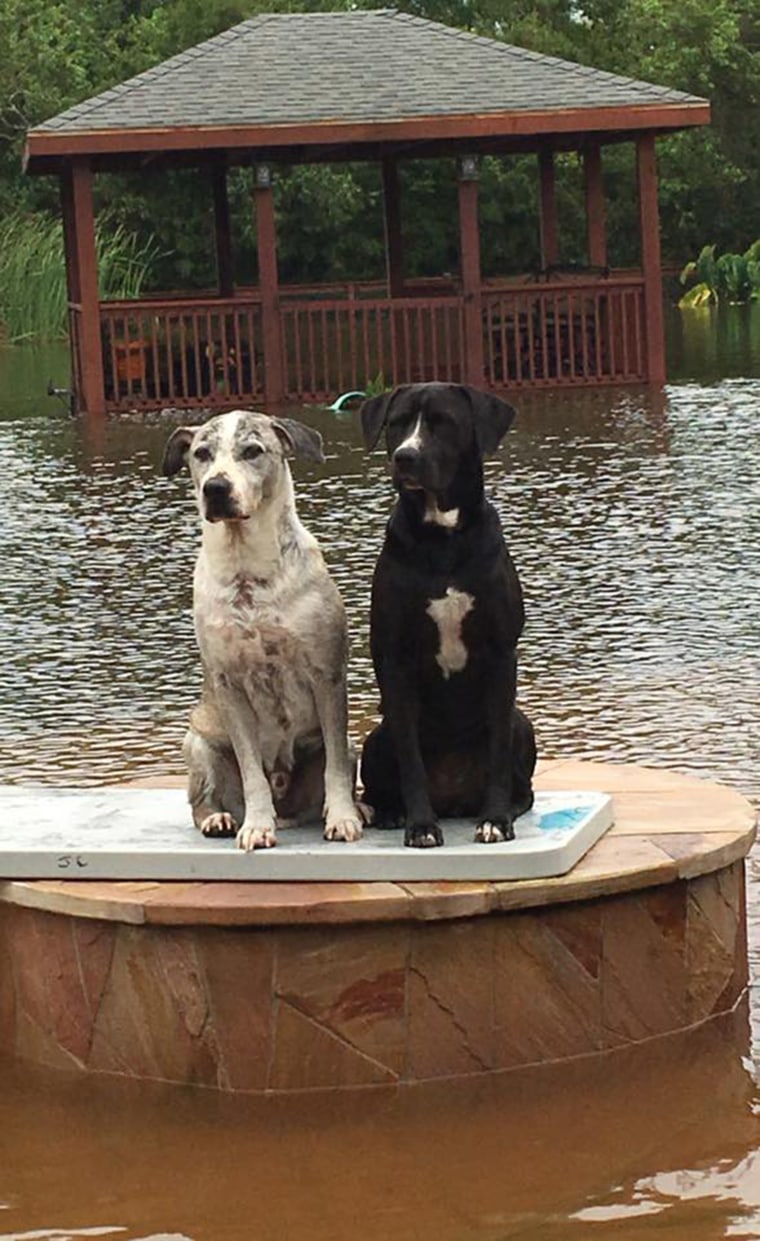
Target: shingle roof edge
[[493, 46]]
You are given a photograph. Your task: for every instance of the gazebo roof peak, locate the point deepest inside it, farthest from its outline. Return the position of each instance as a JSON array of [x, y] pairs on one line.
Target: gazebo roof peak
[[372, 69]]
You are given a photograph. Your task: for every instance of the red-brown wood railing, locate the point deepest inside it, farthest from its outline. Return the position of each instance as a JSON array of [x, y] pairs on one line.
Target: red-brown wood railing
[[336, 346], [563, 334], [200, 351], [209, 351]]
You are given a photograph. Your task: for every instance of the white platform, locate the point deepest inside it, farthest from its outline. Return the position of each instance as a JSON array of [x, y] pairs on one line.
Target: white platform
[[112, 833]]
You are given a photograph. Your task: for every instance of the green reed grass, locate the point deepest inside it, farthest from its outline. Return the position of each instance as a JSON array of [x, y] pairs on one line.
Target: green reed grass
[[33, 276]]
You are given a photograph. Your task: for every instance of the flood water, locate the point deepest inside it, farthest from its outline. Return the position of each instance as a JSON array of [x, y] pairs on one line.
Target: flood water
[[634, 521]]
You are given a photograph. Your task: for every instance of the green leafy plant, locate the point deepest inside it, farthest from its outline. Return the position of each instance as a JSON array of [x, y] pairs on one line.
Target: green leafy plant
[[733, 278], [377, 386]]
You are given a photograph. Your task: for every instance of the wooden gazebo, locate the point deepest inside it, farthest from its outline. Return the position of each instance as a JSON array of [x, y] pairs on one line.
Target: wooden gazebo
[[378, 86]]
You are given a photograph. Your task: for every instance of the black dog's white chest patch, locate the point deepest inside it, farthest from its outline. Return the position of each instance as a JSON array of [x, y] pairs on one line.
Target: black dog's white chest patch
[[448, 612]]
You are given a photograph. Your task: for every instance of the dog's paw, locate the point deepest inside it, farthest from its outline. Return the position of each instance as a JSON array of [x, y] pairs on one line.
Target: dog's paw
[[219, 824], [348, 828], [249, 838], [494, 831], [423, 835]]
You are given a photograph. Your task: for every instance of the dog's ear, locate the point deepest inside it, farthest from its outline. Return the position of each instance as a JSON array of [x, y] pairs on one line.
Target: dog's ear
[[301, 440], [492, 417], [175, 453], [374, 414]]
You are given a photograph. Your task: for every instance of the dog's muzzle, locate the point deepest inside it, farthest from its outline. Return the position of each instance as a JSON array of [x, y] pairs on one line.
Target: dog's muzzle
[[217, 499], [407, 467]]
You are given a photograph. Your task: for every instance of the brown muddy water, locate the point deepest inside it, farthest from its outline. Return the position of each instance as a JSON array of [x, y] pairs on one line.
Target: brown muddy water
[[635, 524]]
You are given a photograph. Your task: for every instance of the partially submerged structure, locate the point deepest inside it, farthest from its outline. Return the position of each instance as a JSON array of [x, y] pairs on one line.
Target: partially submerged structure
[[378, 86]]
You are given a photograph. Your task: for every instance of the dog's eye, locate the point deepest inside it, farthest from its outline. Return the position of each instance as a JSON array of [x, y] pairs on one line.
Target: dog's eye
[[251, 451], [202, 453]]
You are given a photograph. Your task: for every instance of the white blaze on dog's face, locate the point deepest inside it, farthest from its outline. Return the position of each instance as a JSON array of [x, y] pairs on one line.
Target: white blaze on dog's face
[[436, 435], [236, 460]]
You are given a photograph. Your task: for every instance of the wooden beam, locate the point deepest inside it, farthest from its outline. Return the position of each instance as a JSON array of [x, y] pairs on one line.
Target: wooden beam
[[394, 240], [547, 213], [266, 239], [469, 264], [336, 133], [649, 225], [92, 395], [222, 230], [149, 163], [596, 231]]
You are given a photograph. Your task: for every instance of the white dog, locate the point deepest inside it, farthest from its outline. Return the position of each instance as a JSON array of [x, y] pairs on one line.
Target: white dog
[[268, 741]]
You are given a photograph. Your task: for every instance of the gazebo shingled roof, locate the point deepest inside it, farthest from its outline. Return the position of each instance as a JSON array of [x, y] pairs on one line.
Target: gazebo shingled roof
[[367, 68], [380, 86]]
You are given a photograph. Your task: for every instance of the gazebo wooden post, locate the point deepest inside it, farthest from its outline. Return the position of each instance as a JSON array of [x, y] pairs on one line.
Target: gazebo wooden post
[[650, 257], [394, 240], [266, 238], [69, 236], [469, 262], [82, 269], [222, 231], [596, 232], [548, 209]]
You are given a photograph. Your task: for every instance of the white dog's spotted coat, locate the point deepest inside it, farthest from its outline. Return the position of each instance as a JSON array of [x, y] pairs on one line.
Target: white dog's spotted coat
[[448, 614], [271, 631]]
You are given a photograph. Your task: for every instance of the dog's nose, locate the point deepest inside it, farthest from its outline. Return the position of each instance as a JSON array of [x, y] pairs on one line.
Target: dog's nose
[[406, 459], [217, 489], [217, 498]]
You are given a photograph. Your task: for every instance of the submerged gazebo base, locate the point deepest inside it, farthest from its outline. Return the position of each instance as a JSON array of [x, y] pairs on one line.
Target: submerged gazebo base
[[285, 987]]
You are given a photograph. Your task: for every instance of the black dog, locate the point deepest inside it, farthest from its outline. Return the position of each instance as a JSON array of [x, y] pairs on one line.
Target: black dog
[[446, 615]]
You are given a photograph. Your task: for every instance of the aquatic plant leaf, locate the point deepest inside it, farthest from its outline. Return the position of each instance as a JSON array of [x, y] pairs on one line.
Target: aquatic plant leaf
[[699, 295]]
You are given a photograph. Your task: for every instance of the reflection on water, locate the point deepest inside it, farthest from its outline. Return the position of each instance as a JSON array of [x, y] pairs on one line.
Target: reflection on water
[[634, 524], [527, 1155], [711, 343]]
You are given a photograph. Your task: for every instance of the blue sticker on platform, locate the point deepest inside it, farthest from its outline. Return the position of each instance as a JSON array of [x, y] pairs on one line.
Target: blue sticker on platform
[[563, 820]]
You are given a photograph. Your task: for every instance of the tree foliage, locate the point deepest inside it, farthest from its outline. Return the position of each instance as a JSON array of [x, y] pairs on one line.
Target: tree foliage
[[54, 54]]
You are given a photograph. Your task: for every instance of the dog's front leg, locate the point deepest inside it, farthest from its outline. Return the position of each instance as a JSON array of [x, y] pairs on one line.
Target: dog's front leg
[[342, 818], [402, 713], [258, 827], [497, 821]]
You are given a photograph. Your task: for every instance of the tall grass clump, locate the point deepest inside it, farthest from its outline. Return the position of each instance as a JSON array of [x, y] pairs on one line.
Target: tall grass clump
[[33, 297]]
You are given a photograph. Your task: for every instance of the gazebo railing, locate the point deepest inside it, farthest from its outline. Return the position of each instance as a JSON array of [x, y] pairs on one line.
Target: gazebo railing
[[209, 351], [190, 351], [563, 334], [336, 346]]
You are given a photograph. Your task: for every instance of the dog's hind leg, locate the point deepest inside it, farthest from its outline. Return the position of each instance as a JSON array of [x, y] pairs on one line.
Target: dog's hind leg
[[215, 790], [523, 762]]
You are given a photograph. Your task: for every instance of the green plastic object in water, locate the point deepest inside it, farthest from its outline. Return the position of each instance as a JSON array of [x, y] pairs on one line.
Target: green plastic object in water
[[340, 402]]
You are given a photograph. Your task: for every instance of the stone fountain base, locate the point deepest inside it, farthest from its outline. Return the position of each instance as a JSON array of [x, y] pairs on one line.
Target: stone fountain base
[[266, 986]]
